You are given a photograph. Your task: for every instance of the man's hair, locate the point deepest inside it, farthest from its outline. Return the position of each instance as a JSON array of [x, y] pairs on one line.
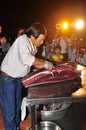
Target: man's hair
[[36, 29]]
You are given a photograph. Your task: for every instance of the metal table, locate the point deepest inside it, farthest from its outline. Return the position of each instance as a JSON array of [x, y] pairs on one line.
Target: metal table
[[77, 96]]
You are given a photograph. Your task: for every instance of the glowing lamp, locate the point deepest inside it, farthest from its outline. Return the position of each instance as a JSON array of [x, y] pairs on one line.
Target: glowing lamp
[[65, 25], [79, 24]]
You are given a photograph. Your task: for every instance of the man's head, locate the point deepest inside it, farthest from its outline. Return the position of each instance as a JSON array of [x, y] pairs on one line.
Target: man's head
[[37, 33]]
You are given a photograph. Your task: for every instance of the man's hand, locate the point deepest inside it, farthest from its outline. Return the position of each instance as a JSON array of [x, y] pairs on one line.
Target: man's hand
[[48, 65]]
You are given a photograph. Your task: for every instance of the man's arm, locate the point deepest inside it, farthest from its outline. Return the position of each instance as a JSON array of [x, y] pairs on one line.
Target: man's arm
[[39, 63]]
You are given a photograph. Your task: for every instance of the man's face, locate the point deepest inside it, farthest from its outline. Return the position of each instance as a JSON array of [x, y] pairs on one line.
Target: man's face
[[39, 41]]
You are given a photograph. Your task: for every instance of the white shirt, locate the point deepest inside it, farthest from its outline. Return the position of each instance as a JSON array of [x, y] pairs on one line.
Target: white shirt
[[72, 54], [63, 46], [19, 58], [81, 60]]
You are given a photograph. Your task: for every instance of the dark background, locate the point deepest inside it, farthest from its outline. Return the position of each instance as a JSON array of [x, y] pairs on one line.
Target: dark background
[[18, 13]]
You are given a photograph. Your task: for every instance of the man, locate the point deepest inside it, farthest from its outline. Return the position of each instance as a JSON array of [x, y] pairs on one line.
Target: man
[[17, 64], [64, 48]]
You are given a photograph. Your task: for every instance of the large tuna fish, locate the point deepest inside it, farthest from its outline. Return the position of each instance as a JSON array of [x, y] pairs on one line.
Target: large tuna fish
[[62, 80]]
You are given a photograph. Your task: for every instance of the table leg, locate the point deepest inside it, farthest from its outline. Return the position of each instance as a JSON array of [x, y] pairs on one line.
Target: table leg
[[33, 117]]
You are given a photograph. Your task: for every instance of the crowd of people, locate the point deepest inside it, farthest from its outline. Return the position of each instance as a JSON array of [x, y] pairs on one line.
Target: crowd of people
[[68, 48], [64, 48]]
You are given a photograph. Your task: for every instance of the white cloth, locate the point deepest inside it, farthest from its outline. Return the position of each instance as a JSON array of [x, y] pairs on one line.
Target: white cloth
[[23, 108], [19, 58]]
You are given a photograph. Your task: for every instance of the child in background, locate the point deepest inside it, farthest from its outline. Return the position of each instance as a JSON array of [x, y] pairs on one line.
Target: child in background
[[57, 56]]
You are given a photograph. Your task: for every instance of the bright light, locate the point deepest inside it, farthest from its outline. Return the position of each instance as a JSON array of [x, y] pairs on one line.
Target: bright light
[[79, 67], [65, 25], [79, 24]]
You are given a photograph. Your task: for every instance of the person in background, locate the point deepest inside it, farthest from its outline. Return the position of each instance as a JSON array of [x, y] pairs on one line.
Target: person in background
[[81, 57], [20, 31], [5, 45], [72, 53], [48, 51], [64, 47], [57, 56], [17, 64]]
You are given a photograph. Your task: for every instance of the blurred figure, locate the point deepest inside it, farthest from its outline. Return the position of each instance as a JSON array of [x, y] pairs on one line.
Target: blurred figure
[[21, 31], [53, 44], [48, 51], [64, 48], [72, 53], [5, 45], [81, 56], [57, 56]]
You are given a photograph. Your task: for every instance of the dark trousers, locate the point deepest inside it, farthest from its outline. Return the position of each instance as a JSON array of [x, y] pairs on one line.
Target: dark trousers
[[65, 55]]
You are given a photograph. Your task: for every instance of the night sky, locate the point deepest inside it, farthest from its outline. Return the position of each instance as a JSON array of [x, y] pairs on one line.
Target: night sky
[[17, 13]]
